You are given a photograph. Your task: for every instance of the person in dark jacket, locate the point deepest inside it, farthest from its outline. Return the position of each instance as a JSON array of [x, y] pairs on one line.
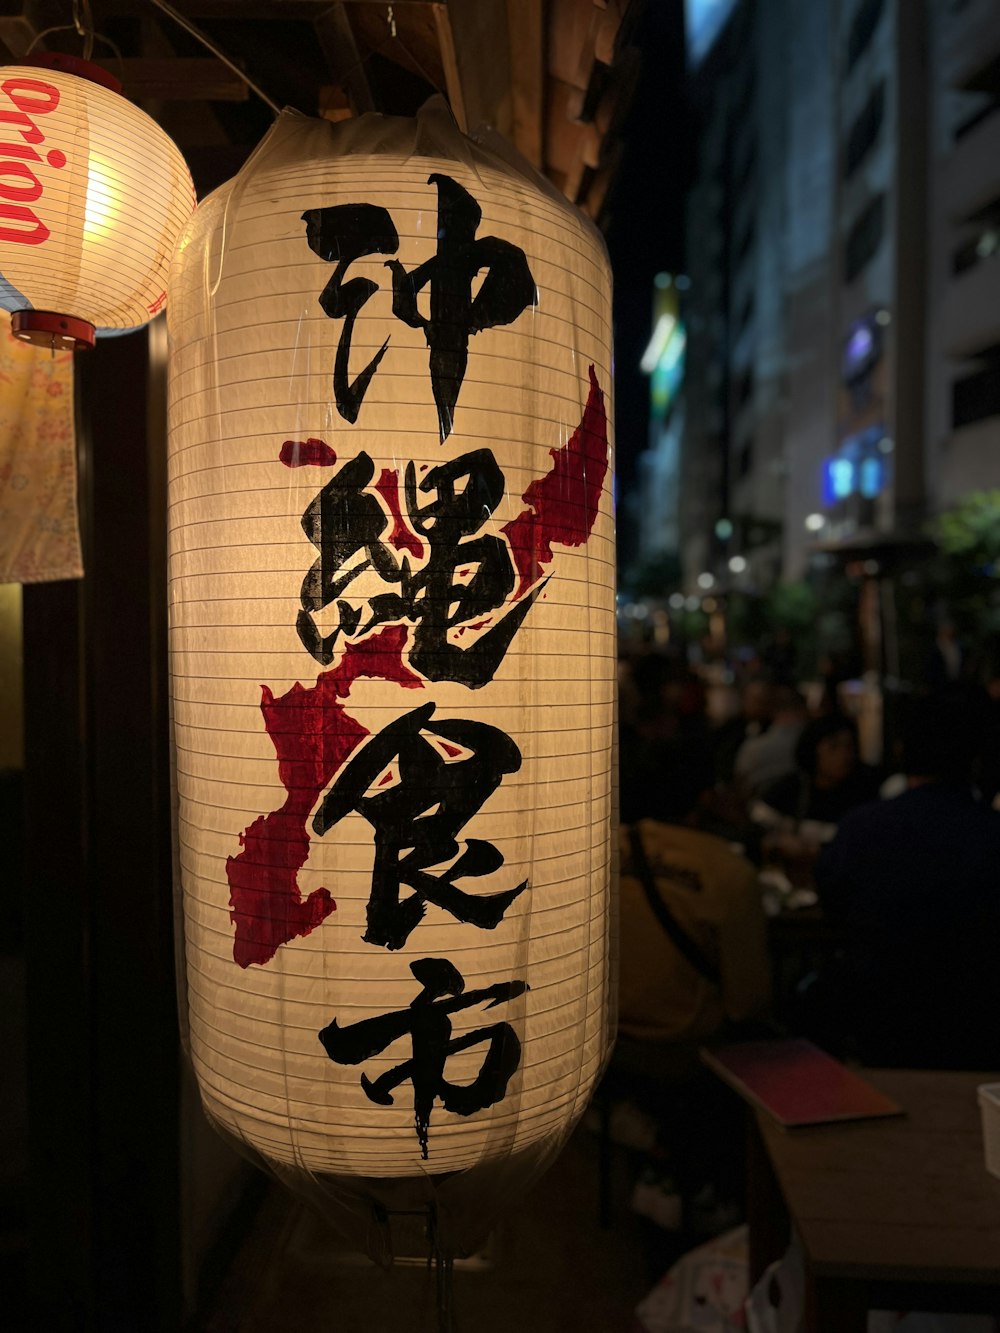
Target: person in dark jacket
[[915, 882]]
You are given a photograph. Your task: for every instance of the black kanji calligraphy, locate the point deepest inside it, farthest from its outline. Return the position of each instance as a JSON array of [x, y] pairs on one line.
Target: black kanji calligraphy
[[427, 1022], [418, 783], [345, 233], [455, 314], [344, 522], [467, 575]]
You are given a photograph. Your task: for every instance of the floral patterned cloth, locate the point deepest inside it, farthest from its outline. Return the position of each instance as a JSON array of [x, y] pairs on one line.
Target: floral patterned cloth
[[704, 1292], [39, 533]]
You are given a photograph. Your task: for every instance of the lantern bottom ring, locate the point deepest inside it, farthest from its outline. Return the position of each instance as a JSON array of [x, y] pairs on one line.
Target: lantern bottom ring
[[46, 328]]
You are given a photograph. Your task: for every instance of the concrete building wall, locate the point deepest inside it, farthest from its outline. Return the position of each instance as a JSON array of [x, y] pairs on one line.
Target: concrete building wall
[[660, 488], [760, 422], [858, 77], [963, 306], [704, 464], [811, 272], [910, 261], [788, 175], [762, 208]]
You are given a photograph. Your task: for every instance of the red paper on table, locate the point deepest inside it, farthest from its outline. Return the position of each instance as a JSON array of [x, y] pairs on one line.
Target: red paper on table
[[797, 1083]]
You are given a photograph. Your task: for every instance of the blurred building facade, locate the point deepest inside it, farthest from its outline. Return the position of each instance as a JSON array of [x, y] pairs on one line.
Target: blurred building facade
[[963, 384], [659, 466], [842, 376]]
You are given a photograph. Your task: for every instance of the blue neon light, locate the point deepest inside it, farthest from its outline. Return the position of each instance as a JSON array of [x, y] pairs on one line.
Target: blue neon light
[[705, 19]]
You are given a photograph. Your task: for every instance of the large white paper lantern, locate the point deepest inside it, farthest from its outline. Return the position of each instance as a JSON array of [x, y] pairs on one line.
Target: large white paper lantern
[[393, 651], [93, 195]]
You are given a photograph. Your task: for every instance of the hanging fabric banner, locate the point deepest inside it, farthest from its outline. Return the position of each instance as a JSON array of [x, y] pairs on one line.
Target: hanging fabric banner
[[39, 532]]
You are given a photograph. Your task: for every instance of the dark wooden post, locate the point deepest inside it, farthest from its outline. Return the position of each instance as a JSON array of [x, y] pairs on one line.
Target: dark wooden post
[[102, 1031]]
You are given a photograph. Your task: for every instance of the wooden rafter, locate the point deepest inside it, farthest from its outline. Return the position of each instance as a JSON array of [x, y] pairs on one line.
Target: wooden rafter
[[548, 74], [178, 78]]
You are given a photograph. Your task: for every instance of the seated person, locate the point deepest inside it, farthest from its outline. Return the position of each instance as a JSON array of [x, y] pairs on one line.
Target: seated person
[[829, 781], [762, 760], [713, 896], [915, 881], [668, 731], [752, 720], [673, 996]]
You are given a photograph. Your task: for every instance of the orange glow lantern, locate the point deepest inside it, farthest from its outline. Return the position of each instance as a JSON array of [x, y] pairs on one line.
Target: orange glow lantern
[[93, 195], [392, 664]]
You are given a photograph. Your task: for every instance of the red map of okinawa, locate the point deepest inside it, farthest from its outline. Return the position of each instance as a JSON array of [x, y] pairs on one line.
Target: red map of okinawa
[[313, 735], [312, 732], [563, 504]]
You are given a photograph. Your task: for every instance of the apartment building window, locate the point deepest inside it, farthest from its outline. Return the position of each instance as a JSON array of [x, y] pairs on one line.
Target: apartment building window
[[743, 387], [862, 30], [744, 464], [746, 170], [745, 97], [981, 93], [864, 238], [984, 108], [982, 238], [864, 132], [745, 315], [976, 397], [745, 242]]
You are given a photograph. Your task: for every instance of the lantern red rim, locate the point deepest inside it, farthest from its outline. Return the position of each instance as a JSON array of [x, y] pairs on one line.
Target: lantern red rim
[[47, 328], [64, 63]]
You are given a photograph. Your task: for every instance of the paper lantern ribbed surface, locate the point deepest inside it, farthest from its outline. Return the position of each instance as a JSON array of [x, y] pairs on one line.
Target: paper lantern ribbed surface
[[392, 646], [93, 196]]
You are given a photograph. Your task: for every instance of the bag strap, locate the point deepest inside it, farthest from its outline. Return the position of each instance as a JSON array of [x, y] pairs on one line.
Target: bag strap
[[687, 946]]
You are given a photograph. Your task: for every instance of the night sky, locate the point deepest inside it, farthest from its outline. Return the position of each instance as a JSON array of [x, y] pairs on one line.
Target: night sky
[[645, 232]]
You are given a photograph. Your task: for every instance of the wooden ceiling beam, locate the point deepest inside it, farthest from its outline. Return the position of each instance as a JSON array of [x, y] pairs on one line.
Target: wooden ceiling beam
[[527, 74], [177, 79], [21, 21], [449, 59], [269, 11], [573, 26], [475, 48], [343, 57], [253, 10], [16, 33]]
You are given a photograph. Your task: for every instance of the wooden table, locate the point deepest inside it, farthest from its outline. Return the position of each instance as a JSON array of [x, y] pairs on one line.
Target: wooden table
[[896, 1214]]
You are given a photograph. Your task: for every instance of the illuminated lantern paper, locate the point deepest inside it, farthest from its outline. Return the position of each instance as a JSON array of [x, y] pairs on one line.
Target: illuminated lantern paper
[[393, 656], [93, 196]]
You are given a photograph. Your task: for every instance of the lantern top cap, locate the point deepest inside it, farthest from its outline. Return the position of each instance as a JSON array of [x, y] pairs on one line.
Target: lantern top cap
[[64, 63], [432, 133]]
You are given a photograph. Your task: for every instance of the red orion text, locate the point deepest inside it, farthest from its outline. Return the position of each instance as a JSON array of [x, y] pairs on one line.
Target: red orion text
[[26, 99]]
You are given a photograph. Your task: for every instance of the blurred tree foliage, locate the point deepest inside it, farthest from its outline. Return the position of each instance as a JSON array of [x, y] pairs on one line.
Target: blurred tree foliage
[[967, 573], [693, 625], [746, 619], [657, 576], [792, 606], [971, 532]]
